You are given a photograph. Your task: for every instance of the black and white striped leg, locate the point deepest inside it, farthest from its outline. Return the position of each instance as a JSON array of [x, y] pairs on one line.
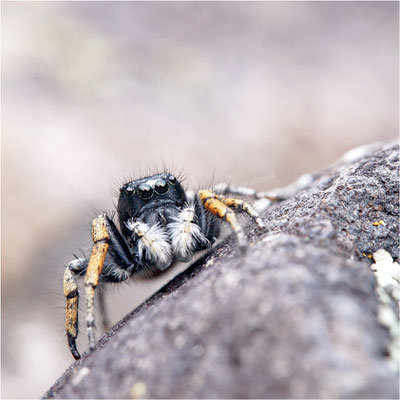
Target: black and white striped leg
[[226, 189]]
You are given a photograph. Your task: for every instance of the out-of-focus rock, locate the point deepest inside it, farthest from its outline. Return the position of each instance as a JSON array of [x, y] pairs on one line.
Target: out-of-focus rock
[[297, 316]]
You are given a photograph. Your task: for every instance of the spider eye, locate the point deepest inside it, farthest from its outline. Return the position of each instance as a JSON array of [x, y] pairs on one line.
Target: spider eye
[[129, 191], [172, 179], [145, 191], [161, 186]]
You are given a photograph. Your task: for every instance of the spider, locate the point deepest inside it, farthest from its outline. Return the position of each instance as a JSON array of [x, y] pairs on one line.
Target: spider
[[159, 224]]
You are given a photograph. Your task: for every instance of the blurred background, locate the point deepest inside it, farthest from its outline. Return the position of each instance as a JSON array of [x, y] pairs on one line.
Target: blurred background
[[93, 92]]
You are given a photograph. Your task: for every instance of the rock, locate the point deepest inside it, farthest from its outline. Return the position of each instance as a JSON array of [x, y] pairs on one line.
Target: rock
[[296, 316]]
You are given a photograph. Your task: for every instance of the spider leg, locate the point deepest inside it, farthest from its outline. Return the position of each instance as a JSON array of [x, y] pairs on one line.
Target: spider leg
[[75, 267], [102, 306], [242, 206], [217, 207], [207, 221], [231, 190], [101, 240], [106, 237]]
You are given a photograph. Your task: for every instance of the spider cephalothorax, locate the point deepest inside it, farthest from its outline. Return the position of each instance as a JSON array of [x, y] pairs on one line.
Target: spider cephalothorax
[[160, 223]]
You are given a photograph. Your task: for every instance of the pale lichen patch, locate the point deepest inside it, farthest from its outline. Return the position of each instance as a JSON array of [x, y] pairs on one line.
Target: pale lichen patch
[[80, 375], [387, 275], [138, 390]]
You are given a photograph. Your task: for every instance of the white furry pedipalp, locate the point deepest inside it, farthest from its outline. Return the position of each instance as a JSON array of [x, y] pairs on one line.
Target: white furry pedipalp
[[153, 244], [185, 234]]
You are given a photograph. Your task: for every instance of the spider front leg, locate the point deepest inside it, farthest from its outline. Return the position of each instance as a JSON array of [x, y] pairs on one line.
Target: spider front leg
[[106, 238], [102, 305], [101, 239], [75, 267]]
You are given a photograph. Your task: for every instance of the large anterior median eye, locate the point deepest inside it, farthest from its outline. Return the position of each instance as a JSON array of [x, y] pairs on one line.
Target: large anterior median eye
[[145, 191], [161, 186]]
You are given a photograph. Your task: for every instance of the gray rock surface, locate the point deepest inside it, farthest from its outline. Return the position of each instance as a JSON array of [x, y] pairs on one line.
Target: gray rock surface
[[295, 317]]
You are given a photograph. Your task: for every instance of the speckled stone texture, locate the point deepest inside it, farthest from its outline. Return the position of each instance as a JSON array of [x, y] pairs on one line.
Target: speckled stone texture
[[293, 318]]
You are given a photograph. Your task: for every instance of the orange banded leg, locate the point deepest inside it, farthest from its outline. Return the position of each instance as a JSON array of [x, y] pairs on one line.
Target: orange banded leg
[[100, 238], [71, 315], [218, 208], [242, 206]]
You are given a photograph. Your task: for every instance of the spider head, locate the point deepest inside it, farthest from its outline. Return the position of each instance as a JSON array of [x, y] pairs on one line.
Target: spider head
[[145, 195]]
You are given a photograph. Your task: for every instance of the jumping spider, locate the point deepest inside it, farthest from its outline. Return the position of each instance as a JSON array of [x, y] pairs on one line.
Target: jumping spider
[[159, 223]]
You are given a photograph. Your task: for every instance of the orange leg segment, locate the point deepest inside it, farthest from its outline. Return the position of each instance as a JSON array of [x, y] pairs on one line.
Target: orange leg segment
[[217, 207], [242, 206], [100, 238], [71, 313]]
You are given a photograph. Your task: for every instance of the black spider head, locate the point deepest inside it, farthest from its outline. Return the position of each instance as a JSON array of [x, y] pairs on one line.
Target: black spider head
[[146, 195]]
